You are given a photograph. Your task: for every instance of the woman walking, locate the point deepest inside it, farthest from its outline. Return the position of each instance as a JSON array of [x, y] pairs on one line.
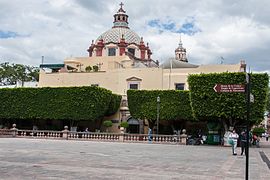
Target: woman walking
[[234, 137]]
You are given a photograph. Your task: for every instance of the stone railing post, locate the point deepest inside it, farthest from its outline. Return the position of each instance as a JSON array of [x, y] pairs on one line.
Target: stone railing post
[[65, 133], [14, 130], [121, 136], [183, 137]]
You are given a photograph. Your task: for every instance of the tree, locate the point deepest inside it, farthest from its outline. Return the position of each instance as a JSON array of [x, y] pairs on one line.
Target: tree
[[33, 73], [7, 75], [11, 74], [228, 108], [20, 73], [268, 101], [174, 105]]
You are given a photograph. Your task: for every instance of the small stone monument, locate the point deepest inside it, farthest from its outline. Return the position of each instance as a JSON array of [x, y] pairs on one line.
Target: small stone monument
[[122, 132], [14, 130], [65, 132], [183, 137]]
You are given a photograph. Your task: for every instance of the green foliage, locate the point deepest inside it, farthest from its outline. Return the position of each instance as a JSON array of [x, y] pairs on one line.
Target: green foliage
[[124, 124], [174, 104], [88, 69], [11, 74], [72, 103], [259, 88], [229, 107], [95, 68], [114, 104], [258, 131], [268, 101], [107, 123]]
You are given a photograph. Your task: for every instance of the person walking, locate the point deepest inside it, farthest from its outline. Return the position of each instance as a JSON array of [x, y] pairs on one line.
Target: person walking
[[266, 136], [234, 137], [243, 142]]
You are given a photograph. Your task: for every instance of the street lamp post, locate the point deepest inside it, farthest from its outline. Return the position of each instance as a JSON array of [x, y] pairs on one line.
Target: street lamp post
[[158, 104], [248, 117]]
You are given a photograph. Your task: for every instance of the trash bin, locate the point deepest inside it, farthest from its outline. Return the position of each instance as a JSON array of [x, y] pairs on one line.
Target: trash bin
[[213, 138]]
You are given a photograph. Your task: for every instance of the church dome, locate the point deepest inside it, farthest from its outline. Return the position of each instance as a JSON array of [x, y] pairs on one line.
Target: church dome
[[115, 34], [120, 40]]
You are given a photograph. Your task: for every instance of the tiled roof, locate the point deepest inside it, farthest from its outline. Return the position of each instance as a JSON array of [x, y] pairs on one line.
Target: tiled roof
[[115, 34]]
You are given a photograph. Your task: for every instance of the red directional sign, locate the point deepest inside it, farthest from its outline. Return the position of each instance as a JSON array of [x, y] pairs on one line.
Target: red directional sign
[[240, 88]]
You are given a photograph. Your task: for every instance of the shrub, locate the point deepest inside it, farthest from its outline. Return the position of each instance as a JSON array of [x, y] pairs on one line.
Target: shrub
[[258, 131], [95, 68], [107, 123], [88, 69], [124, 124]]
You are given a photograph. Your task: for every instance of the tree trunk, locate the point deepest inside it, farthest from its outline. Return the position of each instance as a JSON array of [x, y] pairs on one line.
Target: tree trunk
[[225, 125], [151, 124]]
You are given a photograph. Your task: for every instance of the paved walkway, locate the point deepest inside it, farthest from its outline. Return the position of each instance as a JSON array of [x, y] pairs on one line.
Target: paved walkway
[[59, 159]]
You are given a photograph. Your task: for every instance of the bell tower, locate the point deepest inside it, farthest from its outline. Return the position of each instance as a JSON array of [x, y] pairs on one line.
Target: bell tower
[[180, 52]]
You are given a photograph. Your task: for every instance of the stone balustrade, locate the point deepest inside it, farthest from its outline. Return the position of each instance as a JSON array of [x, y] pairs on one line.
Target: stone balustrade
[[93, 136]]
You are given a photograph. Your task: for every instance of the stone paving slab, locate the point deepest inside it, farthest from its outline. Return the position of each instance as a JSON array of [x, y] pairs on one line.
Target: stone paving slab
[[61, 159]]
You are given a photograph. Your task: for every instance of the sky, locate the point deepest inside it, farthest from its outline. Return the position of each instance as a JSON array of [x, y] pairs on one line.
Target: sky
[[212, 31]]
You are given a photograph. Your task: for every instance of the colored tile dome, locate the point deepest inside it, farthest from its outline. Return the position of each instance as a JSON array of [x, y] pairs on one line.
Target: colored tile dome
[[115, 34]]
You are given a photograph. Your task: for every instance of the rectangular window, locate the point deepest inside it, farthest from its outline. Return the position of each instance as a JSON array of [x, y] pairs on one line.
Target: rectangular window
[[111, 52], [179, 86], [133, 86]]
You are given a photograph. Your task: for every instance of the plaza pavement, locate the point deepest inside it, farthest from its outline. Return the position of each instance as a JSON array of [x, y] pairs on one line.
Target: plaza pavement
[[25, 159]]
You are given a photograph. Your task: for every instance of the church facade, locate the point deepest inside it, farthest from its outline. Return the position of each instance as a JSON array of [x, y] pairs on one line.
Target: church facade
[[119, 60]]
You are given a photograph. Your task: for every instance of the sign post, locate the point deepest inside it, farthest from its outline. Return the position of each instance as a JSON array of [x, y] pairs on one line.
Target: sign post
[[230, 88], [240, 88]]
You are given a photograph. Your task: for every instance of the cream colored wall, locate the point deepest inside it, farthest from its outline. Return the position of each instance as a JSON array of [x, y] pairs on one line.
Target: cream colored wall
[[107, 62], [116, 79], [180, 75]]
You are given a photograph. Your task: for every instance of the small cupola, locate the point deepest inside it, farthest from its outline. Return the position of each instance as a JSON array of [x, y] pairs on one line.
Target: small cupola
[[120, 18], [180, 52]]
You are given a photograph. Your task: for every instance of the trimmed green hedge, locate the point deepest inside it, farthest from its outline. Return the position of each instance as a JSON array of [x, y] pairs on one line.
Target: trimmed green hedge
[[70, 103], [114, 104], [174, 104], [229, 107]]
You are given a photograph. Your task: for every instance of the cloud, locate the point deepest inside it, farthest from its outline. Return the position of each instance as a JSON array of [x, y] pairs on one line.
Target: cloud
[[8, 34], [188, 27], [210, 29]]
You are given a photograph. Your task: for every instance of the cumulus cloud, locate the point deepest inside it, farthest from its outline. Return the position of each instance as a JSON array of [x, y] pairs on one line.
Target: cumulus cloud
[[210, 29]]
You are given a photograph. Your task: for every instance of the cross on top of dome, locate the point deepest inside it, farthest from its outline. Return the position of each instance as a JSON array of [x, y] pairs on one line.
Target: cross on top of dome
[[121, 8]]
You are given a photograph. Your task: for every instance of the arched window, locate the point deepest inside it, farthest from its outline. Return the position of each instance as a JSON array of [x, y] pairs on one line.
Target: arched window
[[131, 51]]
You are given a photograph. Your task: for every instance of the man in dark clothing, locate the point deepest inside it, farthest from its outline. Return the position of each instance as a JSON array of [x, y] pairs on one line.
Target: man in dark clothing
[[243, 139]]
